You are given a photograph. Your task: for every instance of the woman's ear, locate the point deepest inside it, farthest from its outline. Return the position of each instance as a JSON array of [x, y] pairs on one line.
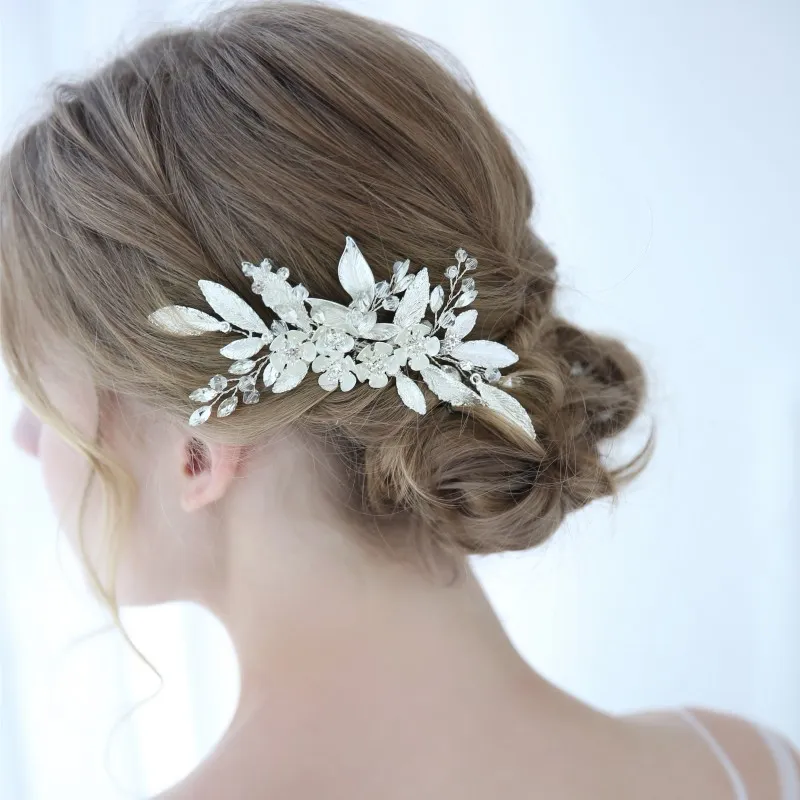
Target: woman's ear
[[208, 470]]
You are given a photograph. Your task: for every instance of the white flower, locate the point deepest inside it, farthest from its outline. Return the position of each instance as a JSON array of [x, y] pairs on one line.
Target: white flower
[[292, 352], [331, 340], [337, 370], [376, 362], [416, 346]]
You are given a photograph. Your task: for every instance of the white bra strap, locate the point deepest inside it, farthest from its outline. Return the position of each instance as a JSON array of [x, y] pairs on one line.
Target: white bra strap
[[788, 772], [735, 778]]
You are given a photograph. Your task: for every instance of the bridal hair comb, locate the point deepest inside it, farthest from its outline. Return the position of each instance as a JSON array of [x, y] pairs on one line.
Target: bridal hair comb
[[346, 344]]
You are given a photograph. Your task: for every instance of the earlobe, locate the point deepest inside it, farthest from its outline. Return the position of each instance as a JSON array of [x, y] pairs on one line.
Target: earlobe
[[209, 469]]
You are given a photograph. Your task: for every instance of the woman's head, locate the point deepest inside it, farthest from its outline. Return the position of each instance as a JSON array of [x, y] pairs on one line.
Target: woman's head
[[276, 130]]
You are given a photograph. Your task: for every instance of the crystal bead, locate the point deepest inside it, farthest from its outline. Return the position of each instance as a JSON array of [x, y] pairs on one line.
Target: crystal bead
[[240, 367], [246, 383], [451, 371], [447, 319], [391, 302], [509, 381], [269, 375], [451, 272], [471, 263], [492, 375], [283, 273], [468, 284], [251, 397], [466, 365], [404, 283], [218, 383], [267, 337], [437, 298], [203, 395], [461, 254], [200, 415], [466, 298], [399, 268], [382, 289], [227, 406]]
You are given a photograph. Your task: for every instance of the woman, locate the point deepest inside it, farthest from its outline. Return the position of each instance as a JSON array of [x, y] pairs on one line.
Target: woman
[[349, 444]]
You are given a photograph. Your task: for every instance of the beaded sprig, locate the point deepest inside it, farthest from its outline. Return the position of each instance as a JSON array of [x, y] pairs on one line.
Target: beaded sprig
[[423, 331]]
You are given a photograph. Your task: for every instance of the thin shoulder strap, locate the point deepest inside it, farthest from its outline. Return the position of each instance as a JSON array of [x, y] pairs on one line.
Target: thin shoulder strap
[[788, 772], [739, 789]]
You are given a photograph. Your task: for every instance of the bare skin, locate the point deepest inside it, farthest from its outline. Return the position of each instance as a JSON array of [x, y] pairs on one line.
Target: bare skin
[[363, 676]]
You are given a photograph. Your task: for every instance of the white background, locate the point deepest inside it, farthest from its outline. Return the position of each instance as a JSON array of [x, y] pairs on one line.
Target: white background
[[662, 142]]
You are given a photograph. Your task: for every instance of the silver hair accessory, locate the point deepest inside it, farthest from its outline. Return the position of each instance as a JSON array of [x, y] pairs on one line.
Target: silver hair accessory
[[346, 344]]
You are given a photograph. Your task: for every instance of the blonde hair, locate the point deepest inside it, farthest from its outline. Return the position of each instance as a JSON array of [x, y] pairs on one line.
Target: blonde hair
[[274, 130]]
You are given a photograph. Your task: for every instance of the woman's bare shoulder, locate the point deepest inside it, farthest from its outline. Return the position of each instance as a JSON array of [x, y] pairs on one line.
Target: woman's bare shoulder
[[743, 742]]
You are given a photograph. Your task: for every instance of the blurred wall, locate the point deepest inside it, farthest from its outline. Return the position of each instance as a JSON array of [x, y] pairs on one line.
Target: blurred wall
[[661, 139]]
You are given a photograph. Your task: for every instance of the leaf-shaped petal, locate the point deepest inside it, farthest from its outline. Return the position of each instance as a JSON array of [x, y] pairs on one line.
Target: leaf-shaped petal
[[242, 348], [410, 393], [335, 314], [484, 353], [464, 323], [504, 404], [382, 332], [231, 307], [415, 301], [183, 321], [275, 291], [448, 389], [291, 376], [355, 274]]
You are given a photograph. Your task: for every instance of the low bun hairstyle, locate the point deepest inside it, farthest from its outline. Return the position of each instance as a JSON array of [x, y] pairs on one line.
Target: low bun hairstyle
[[275, 130]]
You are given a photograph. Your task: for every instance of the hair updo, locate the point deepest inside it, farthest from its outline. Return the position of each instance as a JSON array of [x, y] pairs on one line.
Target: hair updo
[[275, 130]]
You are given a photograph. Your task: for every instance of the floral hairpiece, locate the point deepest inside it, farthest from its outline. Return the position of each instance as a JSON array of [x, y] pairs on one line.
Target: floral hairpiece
[[346, 344]]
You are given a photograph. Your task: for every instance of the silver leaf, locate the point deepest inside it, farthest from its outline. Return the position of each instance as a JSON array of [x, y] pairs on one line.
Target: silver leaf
[[484, 353], [382, 332], [183, 321], [449, 389], [410, 393], [231, 307], [355, 274], [464, 323], [437, 298], [505, 405], [415, 301], [242, 348]]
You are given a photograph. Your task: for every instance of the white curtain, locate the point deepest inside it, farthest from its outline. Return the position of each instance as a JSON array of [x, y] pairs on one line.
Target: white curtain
[[661, 138]]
